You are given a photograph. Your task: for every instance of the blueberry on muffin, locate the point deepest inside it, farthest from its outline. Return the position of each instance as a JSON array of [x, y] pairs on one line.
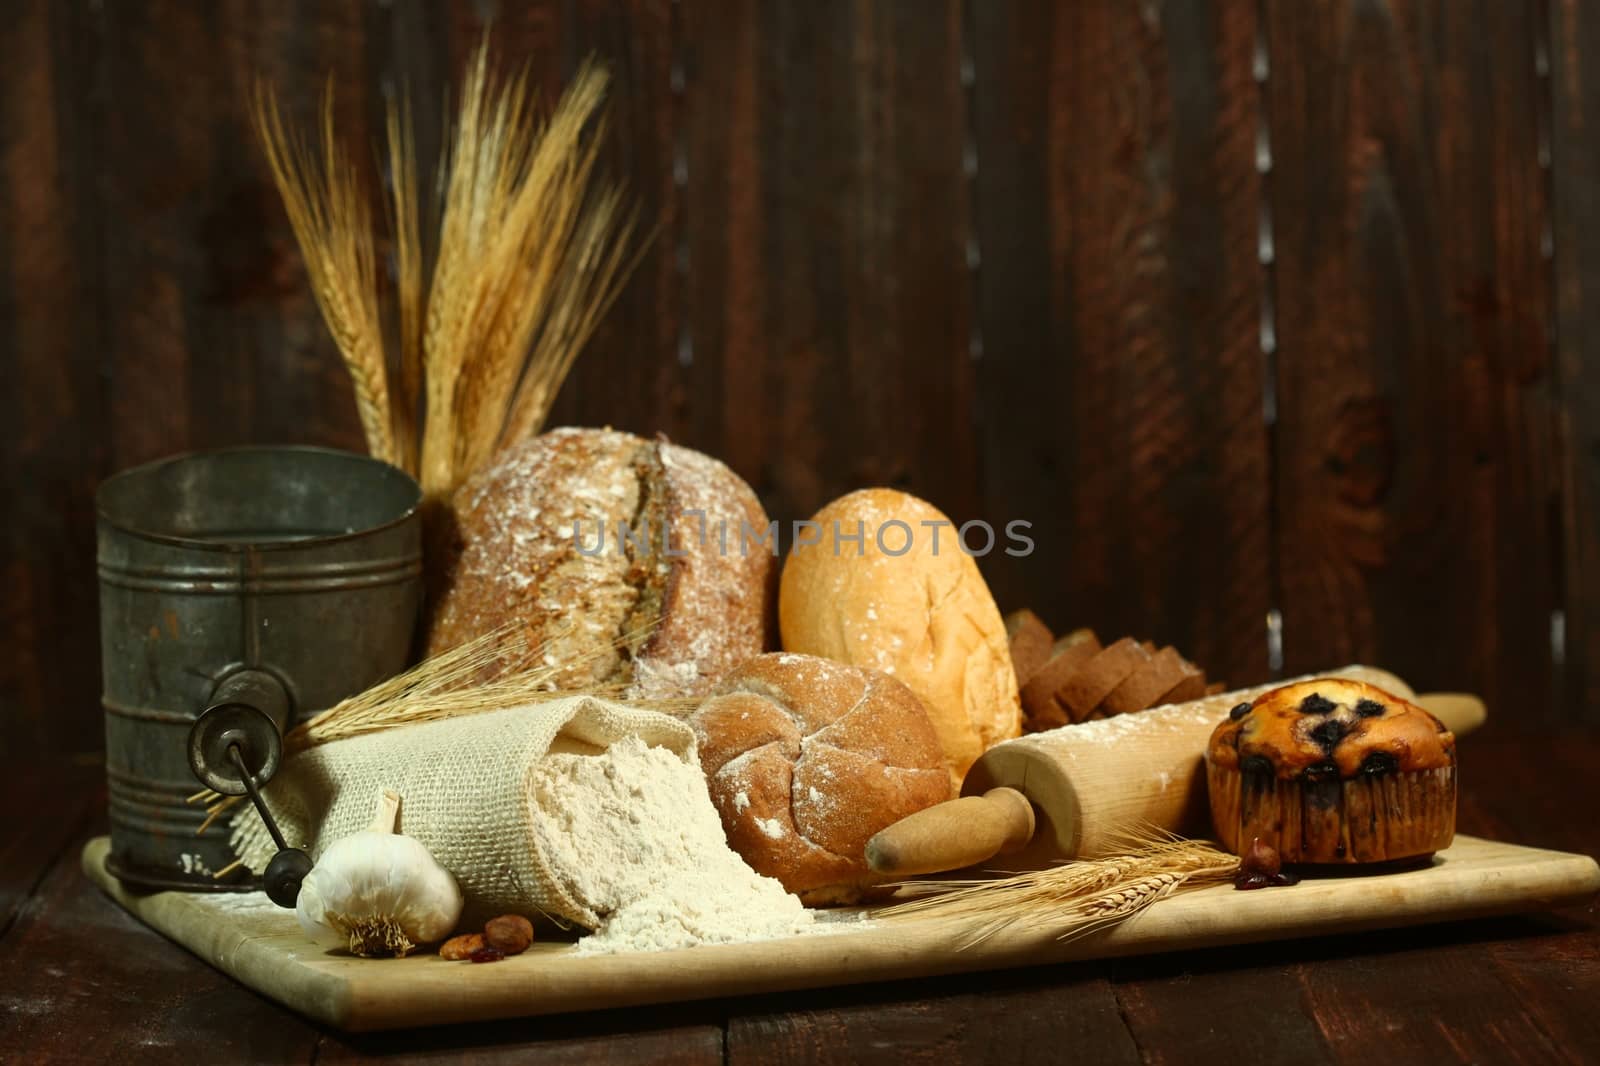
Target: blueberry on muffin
[[1333, 771]]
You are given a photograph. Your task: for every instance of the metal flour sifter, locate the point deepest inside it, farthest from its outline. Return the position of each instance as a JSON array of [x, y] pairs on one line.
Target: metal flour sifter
[[241, 591]]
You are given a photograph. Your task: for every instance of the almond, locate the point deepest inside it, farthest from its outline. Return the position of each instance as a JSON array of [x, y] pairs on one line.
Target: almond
[[510, 934], [460, 947]]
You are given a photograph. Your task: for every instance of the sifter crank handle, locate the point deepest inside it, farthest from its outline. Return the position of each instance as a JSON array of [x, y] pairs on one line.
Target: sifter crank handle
[[234, 748], [288, 868]]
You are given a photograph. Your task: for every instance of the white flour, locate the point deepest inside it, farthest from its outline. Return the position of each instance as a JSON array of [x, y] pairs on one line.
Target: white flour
[[632, 833]]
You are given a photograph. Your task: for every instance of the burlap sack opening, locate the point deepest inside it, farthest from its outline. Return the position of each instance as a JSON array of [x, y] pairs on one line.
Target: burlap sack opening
[[465, 794]]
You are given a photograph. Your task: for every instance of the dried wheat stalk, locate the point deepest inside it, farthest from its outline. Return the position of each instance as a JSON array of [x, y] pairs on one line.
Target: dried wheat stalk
[[406, 223], [533, 208], [1081, 897], [537, 234], [584, 290], [530, 253], [328, 213], [461, 239]]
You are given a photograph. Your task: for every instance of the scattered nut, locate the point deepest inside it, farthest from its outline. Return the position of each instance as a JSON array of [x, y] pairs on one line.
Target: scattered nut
[[461, 947], [1262, 867], [487, 954], [509, 934]]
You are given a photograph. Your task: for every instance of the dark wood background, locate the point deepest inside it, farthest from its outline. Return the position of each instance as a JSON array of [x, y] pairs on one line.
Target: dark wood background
[[1272, 316]]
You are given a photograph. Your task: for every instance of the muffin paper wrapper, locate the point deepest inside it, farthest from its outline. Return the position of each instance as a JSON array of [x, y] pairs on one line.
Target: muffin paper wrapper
[[1372, 818]]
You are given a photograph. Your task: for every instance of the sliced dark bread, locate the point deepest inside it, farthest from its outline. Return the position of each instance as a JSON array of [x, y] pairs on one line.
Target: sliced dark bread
[[1030, 640], [1086, 688], [1145, 686], [1067, 656], [1191, 687]]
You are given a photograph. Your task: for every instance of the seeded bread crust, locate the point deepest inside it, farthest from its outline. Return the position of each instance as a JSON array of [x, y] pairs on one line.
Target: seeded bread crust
[[664, 623]]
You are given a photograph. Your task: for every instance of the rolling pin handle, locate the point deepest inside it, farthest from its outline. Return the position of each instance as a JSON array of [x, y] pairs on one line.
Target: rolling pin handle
[[1461, 712], [1019, 821], [954, 834]]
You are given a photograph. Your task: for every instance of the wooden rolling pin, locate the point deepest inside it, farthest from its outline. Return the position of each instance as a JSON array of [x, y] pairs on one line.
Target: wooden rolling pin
[[1073, 792]]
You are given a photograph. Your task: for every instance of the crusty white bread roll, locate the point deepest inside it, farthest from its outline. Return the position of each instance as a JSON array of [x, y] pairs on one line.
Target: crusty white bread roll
[[806, 759], [924, 616]]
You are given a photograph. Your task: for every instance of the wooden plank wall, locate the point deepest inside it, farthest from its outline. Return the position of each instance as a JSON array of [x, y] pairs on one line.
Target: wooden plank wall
[[1573, 60], [1415, 391], [1256, 309]]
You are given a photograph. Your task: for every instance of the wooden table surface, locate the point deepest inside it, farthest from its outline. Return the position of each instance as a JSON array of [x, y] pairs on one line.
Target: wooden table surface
[[85, 982]]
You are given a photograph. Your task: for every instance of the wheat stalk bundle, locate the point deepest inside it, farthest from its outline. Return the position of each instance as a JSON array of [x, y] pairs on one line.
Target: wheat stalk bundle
[[1079, 897], [529, 254], [489, 315]]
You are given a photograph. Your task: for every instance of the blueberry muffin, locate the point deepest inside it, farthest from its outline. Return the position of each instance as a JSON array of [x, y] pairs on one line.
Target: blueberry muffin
[[1333, 771]]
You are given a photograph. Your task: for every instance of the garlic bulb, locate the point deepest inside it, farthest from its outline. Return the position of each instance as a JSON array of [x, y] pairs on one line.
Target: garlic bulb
[[378, 890]]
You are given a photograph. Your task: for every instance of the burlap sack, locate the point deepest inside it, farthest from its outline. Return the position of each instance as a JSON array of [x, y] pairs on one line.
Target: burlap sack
[[464, 794]]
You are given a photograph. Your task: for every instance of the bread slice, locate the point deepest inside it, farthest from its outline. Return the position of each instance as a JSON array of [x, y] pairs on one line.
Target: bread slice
[[1067, 656], [1030, 641], [1191, 687], [1086, 688], [1145, 685], [1082, 680]]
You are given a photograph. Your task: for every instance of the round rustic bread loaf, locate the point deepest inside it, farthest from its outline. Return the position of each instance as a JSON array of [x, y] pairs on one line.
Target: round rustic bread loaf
[[806, 759], [665, 610], [924, 616]]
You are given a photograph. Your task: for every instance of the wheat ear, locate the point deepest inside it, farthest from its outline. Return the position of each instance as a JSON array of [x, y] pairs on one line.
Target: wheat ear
[[449, 297], [323, 198], [406, 224], [1076, 897]]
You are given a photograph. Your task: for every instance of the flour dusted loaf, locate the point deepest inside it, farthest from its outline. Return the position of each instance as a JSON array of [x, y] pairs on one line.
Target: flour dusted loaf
[[664, 611], [924, 616], [806, 759], [1333, 770]]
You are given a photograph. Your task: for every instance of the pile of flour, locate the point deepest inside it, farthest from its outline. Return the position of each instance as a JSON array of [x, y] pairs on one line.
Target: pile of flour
[[632, 833]]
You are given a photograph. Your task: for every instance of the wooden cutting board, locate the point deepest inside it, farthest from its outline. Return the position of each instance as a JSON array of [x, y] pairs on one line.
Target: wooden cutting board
[[262, 946]]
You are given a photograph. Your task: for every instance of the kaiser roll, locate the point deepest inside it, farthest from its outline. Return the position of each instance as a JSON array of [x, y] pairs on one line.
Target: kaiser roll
[[925, 615], [806, 759]]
